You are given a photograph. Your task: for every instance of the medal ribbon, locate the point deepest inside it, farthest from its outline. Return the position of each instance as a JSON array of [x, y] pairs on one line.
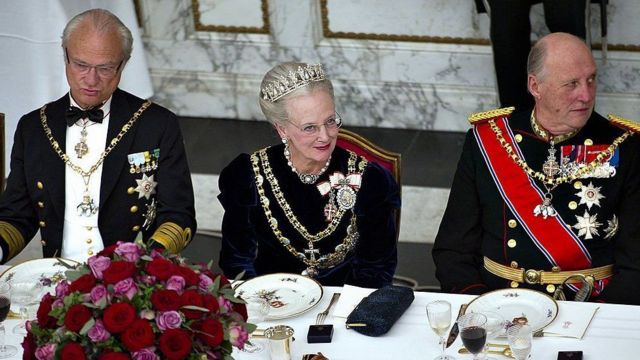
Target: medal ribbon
[[552, 235], [337, 180]]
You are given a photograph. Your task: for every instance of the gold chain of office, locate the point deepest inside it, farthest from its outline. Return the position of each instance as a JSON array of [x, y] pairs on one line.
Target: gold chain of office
[[112, 143], [602, 156], [325, 261]]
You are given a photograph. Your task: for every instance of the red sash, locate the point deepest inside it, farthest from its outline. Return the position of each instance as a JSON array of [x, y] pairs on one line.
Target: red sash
[[552, 235]]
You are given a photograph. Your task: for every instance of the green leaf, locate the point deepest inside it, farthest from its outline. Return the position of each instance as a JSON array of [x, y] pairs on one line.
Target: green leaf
[[72, 275], [239, 276], [87, 326], [193, 307], [146, 258], [251, 327]]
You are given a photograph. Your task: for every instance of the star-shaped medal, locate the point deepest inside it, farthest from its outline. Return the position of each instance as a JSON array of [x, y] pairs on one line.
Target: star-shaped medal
[[587, 225], [590, 195], [612, 227], [146, 186]]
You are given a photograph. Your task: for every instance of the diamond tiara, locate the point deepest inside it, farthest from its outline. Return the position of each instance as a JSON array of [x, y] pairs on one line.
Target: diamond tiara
[[294, 80]]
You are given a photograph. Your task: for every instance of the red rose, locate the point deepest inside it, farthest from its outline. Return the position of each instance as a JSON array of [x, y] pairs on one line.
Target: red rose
[[175, 344], [161, 268], [44, 320], [29, 347], [209, 331], [76, 317], [138, 336], [117, 271], [165, 300], [118, 317], [210, 302], [193, 298], [190, 276], [72, 351], [83, 284], [241, 309], [114, 356], [108, 251]]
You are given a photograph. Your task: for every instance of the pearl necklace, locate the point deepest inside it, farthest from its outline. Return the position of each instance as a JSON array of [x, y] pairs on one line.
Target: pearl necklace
[[308, 179]]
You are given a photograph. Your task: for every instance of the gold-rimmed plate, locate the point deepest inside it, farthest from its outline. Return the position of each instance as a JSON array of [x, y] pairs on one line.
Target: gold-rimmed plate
[[538, 308], [287, 294], [46, 272]]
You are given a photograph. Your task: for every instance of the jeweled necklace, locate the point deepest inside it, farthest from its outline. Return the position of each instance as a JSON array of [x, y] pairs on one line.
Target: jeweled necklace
[[87, 207], [305, 178], [313, 263], [551, 167]]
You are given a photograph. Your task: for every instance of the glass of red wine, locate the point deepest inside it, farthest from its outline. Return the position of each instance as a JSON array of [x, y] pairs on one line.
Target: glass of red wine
[[6, 351], [473, 332]]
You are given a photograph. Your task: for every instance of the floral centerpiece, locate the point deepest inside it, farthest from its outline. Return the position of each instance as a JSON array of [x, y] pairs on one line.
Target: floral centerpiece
[[129, 302]]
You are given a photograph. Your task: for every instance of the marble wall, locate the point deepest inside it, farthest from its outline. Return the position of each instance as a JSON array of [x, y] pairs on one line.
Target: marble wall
[[402, 64]]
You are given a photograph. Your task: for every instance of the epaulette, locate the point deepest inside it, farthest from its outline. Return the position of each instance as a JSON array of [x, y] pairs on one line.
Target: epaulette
[[626, 124], [488, 115]]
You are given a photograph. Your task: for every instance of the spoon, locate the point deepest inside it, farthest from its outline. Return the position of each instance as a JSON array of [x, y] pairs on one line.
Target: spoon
[[505, 352]]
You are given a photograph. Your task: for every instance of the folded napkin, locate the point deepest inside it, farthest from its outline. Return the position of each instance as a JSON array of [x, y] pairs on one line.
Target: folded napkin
[[350, 297], [376, 313], [572, 320]]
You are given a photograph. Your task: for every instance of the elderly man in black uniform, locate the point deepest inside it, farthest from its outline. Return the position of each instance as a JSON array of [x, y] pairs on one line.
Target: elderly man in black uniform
[[98, 165], [547, 194]]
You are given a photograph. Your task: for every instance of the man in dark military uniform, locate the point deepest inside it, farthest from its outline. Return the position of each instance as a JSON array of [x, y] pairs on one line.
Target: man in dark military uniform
[[98, 165], [545, 195]]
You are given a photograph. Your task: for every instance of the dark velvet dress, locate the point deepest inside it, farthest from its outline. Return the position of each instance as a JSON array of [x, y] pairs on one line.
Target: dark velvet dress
[[249, 243]]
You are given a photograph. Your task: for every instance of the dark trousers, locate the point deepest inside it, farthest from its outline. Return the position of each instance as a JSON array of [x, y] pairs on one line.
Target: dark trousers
[[511, 41]]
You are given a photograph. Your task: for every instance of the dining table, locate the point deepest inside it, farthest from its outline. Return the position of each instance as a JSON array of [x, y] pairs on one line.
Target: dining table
[[614, 333]]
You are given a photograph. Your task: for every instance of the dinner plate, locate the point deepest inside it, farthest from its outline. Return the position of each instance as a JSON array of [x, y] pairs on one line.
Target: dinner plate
[[44, 273], [288, 294], [539, 309]]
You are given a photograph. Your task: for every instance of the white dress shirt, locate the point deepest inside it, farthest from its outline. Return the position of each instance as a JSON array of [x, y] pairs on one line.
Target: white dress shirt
[[81, 237]]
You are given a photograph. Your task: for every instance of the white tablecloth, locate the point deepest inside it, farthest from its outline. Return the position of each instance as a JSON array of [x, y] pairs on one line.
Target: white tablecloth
[[613, 334]]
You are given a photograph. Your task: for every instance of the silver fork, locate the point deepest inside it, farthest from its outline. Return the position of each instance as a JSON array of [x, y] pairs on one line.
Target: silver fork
[[323, 315]]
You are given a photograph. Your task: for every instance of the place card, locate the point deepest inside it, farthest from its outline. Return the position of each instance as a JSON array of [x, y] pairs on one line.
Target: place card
[[573, 319], [350, 297]]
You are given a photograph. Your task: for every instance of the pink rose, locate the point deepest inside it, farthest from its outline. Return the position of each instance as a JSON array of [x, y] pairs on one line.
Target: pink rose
[[126, 287], [146, 279], [98, 293], [204, 282], [46, 352], [168, 320], [238, 336], [57, 304], [98, 264], [145, 354], [62, 289], [147, 314], [98, 333], [129, 251], [225, 305], [176, 283]]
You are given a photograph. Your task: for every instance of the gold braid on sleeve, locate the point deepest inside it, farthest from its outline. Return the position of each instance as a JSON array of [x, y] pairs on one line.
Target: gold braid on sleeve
[[13, 238], [172, 236]]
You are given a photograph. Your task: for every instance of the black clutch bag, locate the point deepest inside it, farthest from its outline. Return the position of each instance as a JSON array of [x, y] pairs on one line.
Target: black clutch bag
[[376, 314]]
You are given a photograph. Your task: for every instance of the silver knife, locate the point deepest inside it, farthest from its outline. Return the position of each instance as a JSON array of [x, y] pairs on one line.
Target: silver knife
[[455, 330]]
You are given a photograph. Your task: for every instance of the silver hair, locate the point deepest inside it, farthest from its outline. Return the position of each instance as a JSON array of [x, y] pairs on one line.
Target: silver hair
[[535, 61], [276, 112], [102, 21]]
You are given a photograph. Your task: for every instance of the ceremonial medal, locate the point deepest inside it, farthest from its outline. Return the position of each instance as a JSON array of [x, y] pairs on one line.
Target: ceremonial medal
[[590, 195], [146, 186], [86, 207], [612, 227], [150, 214], [550, 168], [587, 225], [346, 197]]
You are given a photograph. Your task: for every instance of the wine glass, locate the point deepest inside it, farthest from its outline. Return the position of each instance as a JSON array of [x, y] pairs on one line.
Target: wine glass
[[6, 351], [495, 326], [257, 311], [473, 332], [439, 314], [23, 293], [520, 338]]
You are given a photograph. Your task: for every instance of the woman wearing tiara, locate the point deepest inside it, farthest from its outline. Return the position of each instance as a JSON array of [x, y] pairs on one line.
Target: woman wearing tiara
[[306, 206]]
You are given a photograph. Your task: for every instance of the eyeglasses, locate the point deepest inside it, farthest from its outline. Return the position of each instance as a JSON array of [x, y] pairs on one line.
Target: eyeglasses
[[103, 71], [332, 123]]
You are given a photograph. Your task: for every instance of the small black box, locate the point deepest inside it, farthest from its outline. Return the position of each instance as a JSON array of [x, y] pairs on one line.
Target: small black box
[[569, 355], [320, 333]]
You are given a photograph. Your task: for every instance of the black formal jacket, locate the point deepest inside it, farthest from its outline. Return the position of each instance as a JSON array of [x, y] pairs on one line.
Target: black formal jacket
[[248, 242], [35, 193], [476, 220]]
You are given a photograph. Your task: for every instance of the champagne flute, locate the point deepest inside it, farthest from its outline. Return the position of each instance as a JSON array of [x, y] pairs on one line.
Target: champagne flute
[[6, 351], [473, 332], [439, 314], [520, 338], [23, 293], [257, 311]]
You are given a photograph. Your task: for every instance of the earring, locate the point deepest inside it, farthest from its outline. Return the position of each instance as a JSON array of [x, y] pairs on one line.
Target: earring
[[284, 140]]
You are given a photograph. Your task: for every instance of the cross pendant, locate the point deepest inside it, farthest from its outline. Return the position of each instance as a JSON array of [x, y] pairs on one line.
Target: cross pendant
[[312, 253], [81, 149]]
